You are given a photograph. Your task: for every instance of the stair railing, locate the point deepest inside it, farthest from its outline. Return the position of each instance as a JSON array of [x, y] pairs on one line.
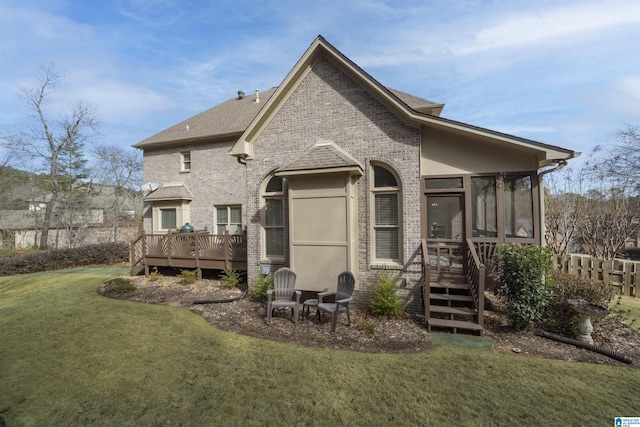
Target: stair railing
[[476, 274], [426, 280], [137, 255]]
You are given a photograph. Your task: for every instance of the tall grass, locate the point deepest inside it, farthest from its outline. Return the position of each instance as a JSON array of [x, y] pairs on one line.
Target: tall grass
[[71, 357]]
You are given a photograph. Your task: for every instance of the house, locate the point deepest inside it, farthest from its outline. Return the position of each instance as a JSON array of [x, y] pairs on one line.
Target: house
[[333, 171], [90, 221]]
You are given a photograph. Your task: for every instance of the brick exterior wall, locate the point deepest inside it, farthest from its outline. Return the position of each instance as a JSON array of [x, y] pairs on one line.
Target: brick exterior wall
[[329, 105], [216, 178]]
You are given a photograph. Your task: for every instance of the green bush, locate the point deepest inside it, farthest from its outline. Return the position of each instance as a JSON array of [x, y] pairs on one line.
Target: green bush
[[523, 275], [558, 315], [366, 325], [385, 301], [58, 259], [230, 277], [260, 286], [187, 277], [119, 286]]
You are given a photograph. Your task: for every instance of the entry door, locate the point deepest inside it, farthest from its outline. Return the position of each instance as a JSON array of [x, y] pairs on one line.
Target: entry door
[[323, 236], [445, 231]]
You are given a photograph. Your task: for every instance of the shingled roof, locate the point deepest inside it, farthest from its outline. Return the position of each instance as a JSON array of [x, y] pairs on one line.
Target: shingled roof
[[325, 155], [170, 191], [229, 118], [233, 116]]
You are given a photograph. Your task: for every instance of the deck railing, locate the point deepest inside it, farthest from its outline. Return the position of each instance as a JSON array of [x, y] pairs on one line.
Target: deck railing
[[189, 250], [426, 279], [476, 275], [444, 255]]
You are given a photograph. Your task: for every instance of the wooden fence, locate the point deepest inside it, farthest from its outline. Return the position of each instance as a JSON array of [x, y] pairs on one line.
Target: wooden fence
[[622, 275]]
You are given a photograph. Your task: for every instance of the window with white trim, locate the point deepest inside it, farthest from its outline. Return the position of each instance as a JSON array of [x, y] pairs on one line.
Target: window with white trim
[[273, 218], [168, 219], [229, 218], [170, 215], [387, 233], [185, 161]]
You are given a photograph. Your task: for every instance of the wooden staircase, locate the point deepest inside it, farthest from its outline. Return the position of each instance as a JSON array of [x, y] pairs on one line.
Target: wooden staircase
[[450, 304]]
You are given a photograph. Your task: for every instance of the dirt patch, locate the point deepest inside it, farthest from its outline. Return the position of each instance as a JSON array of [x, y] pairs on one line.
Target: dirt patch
[[367, 333]]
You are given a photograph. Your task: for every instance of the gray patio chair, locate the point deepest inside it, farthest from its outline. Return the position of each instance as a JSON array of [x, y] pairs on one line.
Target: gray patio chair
[[284, 289], [346, 283]]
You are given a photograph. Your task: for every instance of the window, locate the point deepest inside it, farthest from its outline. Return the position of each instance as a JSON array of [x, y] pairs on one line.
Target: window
[[518, 207], [386, 215], [273, 218], [185, 161], [484, 206], [170, 214], [229, 217], [168, 218], [442, 183]]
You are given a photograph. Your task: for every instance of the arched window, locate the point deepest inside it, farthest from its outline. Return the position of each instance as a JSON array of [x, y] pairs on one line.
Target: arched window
[[387, 233], [273, 218]]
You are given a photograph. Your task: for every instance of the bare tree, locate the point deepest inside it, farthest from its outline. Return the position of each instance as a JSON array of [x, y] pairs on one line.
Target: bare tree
[[121, 170], [562, 201], [51, 139], [596, 208], [626, 154]]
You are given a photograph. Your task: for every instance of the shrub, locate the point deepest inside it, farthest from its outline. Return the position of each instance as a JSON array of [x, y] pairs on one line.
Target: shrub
[[366, 325], [155, 275], [558, 315], [522, 277], [385, 301], [260, 286], [230, 277], [119, 286], [58, 259], [187, 277]]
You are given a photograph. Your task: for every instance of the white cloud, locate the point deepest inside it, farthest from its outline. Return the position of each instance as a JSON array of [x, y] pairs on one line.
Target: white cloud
[[551, 25]]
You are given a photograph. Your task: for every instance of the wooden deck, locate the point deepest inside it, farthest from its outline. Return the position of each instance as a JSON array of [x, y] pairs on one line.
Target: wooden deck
[[199, 250]]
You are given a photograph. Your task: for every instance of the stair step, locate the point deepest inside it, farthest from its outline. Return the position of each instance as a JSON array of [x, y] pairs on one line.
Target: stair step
[[453, 310], [458, 324], [441, 285], [448, 297]]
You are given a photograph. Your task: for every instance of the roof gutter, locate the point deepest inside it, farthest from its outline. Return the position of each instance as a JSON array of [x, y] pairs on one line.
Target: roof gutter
[[559, 165], [241, 158]]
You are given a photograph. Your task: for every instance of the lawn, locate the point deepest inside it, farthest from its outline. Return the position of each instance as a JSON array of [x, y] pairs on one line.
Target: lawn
[[71, 357], [629, 307]]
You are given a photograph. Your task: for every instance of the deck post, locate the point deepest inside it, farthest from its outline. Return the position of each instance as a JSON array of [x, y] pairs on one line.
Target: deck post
[[169, 246], [196, 254], [227, 244]]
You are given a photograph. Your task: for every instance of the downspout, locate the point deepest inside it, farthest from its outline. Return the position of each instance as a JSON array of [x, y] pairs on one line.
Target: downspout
[[559, 165]]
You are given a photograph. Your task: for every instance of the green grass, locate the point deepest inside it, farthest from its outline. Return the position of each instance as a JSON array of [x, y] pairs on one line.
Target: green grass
[[71, 357], [629, 307]]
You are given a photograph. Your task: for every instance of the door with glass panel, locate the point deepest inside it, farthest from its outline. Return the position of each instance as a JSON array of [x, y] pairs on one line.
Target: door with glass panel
[[445, 234]]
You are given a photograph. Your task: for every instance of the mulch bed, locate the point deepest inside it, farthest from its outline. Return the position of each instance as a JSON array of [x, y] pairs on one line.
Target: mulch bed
[[367, 333]]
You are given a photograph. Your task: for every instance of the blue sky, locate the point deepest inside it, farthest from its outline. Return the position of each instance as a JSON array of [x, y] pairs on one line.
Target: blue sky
[[565, 73]]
